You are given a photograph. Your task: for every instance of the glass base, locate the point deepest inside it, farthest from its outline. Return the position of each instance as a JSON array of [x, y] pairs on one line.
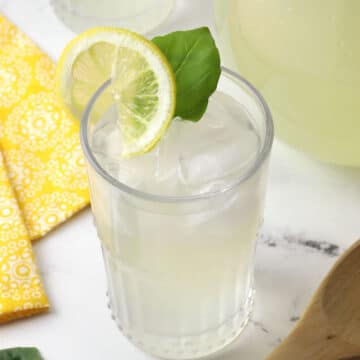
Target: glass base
[[152, 16], [194, 346]]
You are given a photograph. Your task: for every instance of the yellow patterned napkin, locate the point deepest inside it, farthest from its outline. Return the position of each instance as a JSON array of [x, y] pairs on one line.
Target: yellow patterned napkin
[[40, 141], [21, 292], [42, 175]]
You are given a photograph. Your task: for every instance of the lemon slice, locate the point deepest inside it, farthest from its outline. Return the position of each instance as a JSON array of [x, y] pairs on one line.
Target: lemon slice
[[143, 83]]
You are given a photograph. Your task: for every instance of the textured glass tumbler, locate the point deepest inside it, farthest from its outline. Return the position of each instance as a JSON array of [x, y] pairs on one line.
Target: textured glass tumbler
[[137, 15], [180, 268]]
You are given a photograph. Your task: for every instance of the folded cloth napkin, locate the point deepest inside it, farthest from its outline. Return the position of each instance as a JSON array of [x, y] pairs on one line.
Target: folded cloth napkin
[[40, 141], [21, 292], [42, 175]]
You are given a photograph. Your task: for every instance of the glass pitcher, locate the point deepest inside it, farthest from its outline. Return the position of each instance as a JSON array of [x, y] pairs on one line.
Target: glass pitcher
[[304, 57]]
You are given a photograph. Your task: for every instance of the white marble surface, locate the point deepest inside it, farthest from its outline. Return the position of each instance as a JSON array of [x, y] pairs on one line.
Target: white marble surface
[[312, 214]]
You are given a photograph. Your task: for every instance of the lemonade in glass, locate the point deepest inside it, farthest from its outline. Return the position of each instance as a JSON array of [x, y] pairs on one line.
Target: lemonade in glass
[[177, 201], [178, 225]]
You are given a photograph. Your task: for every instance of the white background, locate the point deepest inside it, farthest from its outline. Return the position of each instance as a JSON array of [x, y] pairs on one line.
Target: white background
[[306, 202]]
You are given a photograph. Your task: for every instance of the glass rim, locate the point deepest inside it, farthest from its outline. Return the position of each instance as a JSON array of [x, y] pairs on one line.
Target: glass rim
[[261, 157]]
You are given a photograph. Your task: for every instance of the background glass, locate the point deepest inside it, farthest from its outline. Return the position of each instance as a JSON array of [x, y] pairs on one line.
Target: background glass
[[180, 269], [304, 57], [137, 15]]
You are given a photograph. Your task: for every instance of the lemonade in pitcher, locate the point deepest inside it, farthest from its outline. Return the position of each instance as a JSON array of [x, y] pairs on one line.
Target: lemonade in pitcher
[[304, 57]]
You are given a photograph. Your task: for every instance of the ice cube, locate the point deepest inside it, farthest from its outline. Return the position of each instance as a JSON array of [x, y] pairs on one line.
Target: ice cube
[[223, 109], [219, 153], [167, 152], [106, 145], [105, 137], [232, 109]]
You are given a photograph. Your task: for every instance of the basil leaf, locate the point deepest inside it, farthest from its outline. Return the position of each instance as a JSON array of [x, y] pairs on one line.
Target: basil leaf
[[20, 353], [195, 60]]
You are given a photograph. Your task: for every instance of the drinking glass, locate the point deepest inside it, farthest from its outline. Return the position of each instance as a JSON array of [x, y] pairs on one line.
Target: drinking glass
[[137, 15], [180, 268]]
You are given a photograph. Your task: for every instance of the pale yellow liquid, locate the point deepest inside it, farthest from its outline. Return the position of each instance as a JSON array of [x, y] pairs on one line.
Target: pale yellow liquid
[[304, 57]]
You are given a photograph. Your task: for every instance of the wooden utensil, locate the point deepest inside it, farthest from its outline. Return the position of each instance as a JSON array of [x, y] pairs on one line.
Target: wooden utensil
[[330, 327]]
